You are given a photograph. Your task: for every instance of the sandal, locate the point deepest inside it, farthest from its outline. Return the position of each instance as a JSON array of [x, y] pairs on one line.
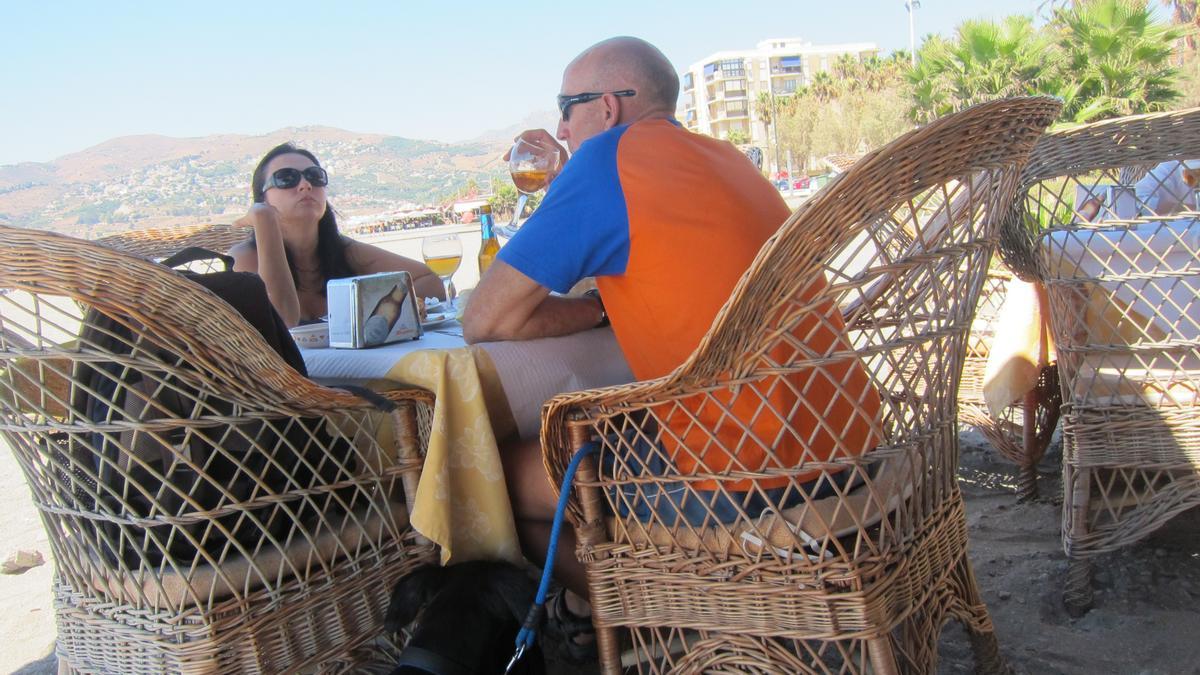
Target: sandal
[[576, 633]]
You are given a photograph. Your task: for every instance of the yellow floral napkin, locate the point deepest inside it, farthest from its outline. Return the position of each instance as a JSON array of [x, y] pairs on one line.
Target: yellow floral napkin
[[462, 503]]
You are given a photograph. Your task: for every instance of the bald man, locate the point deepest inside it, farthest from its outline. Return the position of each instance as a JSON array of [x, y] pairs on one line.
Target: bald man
[[665, 220]]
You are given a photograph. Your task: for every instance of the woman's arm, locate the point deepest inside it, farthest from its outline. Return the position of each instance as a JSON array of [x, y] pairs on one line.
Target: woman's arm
[[268, 260], [368, 259]]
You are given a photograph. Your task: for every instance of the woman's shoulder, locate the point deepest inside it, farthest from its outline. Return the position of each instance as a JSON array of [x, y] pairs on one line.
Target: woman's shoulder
[[367, 258], [359, 253], [244, 254]]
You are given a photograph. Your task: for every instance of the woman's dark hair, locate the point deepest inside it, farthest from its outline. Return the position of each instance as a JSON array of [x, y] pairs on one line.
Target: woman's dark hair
[[331, 248]]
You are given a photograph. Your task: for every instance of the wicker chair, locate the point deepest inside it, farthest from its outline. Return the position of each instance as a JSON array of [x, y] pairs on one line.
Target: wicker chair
[[860, 580], [1124, 320], [163, 563], [160, 242], [1009, 433]]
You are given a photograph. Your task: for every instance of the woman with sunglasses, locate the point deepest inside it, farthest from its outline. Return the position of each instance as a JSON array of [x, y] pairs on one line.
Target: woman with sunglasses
[[295, 245]]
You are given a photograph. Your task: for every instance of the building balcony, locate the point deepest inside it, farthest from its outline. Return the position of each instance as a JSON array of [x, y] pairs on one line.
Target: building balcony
[[738, 114]]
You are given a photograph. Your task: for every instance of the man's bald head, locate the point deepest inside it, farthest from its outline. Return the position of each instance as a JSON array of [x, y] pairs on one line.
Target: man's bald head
[[629, 63]]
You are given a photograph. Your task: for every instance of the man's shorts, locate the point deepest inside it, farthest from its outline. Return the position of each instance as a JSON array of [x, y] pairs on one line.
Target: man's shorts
[[666, 502]]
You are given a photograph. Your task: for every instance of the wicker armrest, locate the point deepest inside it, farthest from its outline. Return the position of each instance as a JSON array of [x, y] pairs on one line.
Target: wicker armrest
[[559, 412]]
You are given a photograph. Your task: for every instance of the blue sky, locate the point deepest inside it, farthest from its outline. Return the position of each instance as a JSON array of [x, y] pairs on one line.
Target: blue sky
[[78, 73]]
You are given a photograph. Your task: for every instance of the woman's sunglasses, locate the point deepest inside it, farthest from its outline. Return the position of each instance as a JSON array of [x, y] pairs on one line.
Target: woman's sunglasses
[[288, 178]]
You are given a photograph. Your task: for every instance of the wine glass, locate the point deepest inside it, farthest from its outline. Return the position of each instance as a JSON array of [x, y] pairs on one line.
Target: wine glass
[[531, 167], [443, 254]]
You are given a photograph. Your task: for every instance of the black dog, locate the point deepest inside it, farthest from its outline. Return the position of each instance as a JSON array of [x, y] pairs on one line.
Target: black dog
[[467, 619]]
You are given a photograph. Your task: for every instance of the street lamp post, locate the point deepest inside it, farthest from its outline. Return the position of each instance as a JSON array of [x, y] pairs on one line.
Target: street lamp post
[[912, 33]]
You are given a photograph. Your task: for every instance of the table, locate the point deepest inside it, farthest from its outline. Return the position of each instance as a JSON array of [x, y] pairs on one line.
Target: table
[[1127, 307], [483, 393]]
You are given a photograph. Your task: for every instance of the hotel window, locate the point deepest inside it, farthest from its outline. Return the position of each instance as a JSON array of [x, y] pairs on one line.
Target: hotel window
[[732, 68], [735, 88]]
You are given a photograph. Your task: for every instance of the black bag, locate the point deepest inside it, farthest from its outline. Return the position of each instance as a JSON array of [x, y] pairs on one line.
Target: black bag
[[149, 480]]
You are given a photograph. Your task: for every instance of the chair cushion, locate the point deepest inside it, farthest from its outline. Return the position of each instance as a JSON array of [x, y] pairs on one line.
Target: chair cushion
[[819, 520], [344, 536]]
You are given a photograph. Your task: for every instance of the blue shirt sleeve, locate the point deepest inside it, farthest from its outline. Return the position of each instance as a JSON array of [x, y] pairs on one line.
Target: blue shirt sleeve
[[581, 228]]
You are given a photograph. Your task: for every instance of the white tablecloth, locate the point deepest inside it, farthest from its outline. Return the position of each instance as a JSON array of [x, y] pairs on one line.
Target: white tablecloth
[[1121, 258], [530, 371]]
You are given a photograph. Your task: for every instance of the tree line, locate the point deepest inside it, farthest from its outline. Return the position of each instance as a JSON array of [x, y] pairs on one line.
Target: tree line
[[1103, 58]]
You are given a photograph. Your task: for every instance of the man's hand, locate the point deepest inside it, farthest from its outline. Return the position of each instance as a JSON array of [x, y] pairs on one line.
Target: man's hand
[[507, 305], [542, 140]]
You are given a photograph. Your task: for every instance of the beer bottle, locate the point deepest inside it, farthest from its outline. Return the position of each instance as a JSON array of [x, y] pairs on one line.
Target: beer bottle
[[489, 246], [379, 324]]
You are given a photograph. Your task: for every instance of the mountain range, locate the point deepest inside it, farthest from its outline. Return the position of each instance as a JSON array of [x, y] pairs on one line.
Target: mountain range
[[149, 180]]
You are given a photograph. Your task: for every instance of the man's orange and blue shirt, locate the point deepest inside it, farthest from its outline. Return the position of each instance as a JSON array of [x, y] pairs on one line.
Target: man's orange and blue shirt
[[667, 221]]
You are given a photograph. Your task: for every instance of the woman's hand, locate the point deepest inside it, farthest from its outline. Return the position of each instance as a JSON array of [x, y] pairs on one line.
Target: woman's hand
[[259, 215]]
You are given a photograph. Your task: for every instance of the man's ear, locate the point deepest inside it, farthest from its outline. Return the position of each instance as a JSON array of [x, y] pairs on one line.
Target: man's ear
[[612, 111]]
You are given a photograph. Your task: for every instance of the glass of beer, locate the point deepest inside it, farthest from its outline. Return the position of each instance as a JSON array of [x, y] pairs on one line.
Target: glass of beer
[[443, 254], [531, 168]]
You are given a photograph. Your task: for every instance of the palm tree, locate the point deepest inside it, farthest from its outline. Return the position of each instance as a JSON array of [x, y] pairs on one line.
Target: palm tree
[[985, 60], [1186, 13], [764, 107], [1117, 60], [845, 67], [1102, 57], [823, 86]]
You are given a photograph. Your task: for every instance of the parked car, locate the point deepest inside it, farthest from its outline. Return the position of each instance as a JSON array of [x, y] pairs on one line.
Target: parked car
[[782, 184], [800, 183]]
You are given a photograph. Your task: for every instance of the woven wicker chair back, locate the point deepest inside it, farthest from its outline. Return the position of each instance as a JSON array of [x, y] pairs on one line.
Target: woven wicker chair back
[[203, 481], [159, 242], [810, 441]]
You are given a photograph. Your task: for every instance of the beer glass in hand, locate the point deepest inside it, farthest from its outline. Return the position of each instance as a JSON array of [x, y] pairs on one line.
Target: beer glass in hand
[[531, 167], [443, 254]]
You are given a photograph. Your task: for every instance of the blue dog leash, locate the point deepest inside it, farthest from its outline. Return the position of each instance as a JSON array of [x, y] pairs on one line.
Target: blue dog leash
[[528, 634]]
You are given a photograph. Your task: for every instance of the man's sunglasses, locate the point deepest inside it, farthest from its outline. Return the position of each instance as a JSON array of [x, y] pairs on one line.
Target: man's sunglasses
[[288, 178], [565, 102]]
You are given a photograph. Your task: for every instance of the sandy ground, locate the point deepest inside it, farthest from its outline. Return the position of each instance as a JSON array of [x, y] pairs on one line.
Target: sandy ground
[[27, 619], [1144, 621]]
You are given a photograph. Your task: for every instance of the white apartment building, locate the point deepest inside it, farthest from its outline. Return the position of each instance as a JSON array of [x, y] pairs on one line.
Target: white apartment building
[[718, 92]]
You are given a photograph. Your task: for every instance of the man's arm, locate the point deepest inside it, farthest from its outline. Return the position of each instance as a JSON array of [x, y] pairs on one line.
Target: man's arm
[[507, 305]]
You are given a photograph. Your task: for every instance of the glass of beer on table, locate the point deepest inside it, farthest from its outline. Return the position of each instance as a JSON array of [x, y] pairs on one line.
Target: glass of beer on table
[[443, 254]]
